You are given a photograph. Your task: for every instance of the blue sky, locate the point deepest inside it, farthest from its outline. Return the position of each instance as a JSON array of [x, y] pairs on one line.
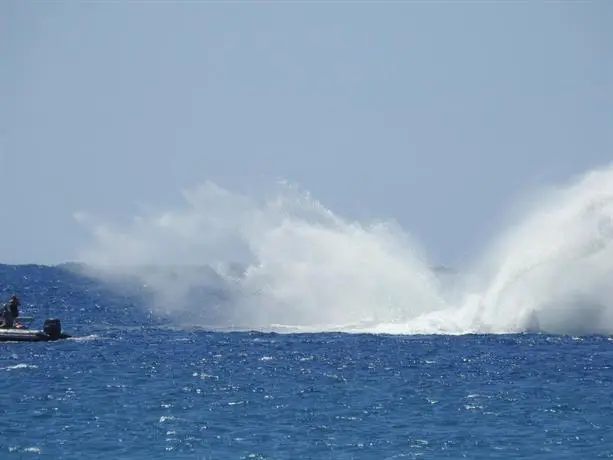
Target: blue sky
[[437, 115]]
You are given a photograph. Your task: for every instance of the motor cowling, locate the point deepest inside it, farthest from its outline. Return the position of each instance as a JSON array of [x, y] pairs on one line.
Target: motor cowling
[[53, 328]]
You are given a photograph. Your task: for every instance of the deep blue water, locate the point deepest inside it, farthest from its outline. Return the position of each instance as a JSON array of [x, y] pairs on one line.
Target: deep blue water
[[128, 386]]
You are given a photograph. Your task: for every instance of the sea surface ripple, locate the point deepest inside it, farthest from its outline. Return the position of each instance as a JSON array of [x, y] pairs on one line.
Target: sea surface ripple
[[130, 387]]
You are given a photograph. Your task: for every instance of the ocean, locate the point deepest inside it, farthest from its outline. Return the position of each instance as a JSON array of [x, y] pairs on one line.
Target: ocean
[[133, 383], [269, 327]]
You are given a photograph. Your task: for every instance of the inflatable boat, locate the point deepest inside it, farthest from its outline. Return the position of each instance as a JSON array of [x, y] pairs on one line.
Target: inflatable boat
[[52, 330]]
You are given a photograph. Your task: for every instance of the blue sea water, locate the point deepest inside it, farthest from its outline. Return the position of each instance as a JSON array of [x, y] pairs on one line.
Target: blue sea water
[[130, 386]]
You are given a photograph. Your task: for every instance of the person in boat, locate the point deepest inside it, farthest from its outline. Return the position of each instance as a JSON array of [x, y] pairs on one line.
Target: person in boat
[[10, 312]]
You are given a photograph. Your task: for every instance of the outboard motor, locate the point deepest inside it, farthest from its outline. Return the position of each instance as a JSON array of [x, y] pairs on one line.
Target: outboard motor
[[53, 328]]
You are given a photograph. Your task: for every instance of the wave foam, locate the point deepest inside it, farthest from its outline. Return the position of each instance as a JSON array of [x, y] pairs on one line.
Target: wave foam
[[286, 262]]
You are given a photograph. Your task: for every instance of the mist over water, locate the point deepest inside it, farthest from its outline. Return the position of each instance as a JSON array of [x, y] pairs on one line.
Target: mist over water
[[285, 262]]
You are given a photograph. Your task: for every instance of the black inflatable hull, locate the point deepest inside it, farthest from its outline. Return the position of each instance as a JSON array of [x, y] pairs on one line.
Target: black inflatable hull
[[28, 335]]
